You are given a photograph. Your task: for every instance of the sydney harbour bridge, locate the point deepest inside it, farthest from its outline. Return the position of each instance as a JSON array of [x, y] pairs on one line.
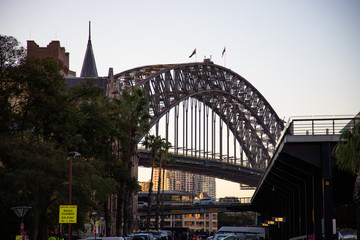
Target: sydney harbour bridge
[[218, 123]]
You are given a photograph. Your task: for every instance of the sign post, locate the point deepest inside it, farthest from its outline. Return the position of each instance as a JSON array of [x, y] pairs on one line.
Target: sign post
[[96, 228]]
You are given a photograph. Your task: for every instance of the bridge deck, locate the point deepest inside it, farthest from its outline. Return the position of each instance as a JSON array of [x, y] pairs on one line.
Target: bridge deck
[[226, 171]]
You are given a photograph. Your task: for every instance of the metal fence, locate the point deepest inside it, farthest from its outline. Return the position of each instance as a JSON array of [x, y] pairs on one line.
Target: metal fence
[[321, 126]]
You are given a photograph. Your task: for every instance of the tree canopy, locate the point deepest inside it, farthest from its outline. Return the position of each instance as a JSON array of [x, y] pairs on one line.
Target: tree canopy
[[41, 120]]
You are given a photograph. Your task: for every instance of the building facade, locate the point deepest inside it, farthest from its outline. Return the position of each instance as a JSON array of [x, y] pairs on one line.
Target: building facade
[[187, 182], [53, 49], [204, 222], [190, 185]]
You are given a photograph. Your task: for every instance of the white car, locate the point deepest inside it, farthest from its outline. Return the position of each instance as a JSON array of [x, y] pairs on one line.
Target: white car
[[142, 236], [204, 201], [142, 204]]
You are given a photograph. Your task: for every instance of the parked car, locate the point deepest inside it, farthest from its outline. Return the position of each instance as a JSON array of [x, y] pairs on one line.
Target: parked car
[[156, 234], [347, 234], [142, 204], [204, 201], [104, 238], [142, 236], [221, 236]]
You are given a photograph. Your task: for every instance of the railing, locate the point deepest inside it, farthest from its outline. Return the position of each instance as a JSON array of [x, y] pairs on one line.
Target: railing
[[307, 126], [231, 200], [321, 126], [226, 200]]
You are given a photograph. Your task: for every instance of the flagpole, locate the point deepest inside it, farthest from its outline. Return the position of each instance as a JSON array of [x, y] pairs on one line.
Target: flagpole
[[225, 60]]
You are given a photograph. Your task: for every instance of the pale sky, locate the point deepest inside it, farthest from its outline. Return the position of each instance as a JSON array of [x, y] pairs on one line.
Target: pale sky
[[303, 56]]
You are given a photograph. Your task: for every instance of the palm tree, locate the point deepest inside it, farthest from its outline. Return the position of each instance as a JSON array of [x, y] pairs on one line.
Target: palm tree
[[163, 150], [159, 150], [347, 153], [167, 160], [154, 144], [134, 112]]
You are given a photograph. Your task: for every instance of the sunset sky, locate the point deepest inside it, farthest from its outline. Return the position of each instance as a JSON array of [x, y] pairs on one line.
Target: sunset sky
[[303, 56]]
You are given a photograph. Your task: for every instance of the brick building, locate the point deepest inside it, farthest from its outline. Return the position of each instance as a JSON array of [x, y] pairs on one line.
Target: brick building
[[54, 50]]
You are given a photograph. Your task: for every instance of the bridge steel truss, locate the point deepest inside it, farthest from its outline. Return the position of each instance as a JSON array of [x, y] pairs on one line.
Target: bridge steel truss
[[239, 105]]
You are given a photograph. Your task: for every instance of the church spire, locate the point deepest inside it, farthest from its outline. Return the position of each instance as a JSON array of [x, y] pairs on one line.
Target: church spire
[[89, 66], [89, 30]]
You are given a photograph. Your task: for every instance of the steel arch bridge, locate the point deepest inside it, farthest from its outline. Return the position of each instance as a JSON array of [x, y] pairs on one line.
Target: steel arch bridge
[[235, 101]]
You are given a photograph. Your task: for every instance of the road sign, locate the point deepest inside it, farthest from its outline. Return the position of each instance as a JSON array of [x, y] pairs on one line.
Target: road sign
[[67, 213], [96, 228]]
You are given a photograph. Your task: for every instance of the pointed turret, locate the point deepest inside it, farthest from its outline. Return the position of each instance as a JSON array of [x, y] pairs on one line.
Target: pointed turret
[[89, 66]]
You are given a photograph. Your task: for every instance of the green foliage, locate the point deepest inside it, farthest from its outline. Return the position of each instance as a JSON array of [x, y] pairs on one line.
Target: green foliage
[[159, 148], [134, 111], [347, 151], [32, 174], [40, 121], [11, 54]]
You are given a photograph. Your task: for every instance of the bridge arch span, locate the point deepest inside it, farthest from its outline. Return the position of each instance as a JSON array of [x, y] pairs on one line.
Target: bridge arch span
[[244, 110]]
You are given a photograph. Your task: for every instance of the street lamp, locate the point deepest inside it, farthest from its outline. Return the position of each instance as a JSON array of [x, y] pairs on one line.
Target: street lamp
[[70, 157], [20, 212]]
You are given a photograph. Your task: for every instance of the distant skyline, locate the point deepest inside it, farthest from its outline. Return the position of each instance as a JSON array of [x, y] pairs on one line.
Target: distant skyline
[[302, 56]]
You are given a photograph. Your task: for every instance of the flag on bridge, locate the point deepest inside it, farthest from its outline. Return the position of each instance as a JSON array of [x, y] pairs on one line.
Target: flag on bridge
[[223, 52], [193, 53]]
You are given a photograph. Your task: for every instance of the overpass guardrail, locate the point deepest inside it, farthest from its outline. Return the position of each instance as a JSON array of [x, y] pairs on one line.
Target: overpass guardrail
[[320, 126]]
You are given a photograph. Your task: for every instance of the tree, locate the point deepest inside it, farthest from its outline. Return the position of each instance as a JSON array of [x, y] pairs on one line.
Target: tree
[[158, 147], [35, 173], [150, 142], [168, 160], [11, 55], [40, 121], [133, 124], [163, 156], [347, 153]]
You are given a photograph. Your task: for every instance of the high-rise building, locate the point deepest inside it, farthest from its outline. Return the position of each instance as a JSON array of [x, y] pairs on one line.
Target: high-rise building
[[188, 182], [199, 186]]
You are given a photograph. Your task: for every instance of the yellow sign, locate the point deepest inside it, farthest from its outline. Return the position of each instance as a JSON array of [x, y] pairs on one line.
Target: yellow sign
[[176, 210], [18, 237], [67, 213]]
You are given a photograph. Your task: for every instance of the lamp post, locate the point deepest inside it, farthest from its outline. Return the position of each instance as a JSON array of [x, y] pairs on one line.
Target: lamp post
[[20, 212], [70, 157]]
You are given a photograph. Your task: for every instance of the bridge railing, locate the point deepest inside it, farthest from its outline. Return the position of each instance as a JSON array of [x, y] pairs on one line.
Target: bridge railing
[[220, 201], [320, 126]]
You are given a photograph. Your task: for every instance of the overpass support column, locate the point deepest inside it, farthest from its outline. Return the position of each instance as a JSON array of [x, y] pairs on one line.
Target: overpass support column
[[327, 190]]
